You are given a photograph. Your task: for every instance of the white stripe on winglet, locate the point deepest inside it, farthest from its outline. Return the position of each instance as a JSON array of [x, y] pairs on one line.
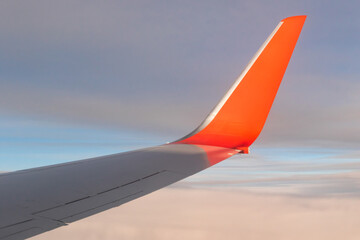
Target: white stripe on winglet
[[216, 110]]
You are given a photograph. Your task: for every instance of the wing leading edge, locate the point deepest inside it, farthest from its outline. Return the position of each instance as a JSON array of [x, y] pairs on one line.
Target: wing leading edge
[[37, 200]]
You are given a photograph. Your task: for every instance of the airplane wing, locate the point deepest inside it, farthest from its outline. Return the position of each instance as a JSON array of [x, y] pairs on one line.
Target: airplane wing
[[37, 200]]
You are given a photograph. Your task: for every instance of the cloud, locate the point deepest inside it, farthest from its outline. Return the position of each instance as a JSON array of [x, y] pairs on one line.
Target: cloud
[[85, 109], [206, 214], [315, 111]]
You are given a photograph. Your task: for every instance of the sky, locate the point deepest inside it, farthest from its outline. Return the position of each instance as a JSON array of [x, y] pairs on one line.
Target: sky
[[80, 79]]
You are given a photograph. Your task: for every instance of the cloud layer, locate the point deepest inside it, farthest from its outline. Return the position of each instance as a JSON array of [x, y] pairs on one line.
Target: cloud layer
[[205, 214], [252, 197]]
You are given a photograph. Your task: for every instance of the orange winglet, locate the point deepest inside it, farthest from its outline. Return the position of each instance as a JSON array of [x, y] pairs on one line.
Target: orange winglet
[[240, 116]]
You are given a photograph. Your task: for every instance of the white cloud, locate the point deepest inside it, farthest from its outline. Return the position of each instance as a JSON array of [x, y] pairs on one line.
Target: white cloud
[[204, 214]]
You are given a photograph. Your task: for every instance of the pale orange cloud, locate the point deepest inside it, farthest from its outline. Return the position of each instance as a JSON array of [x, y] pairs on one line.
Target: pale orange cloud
[[176, 213]]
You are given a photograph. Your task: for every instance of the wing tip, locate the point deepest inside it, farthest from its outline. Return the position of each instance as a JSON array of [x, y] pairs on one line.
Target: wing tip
[[299, 17]]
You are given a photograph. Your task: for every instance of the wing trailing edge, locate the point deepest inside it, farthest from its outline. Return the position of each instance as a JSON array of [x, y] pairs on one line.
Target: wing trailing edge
[[239, 117]]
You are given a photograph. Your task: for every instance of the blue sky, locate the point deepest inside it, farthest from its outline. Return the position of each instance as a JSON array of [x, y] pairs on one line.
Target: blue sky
[[27, 143], [80, 79]]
